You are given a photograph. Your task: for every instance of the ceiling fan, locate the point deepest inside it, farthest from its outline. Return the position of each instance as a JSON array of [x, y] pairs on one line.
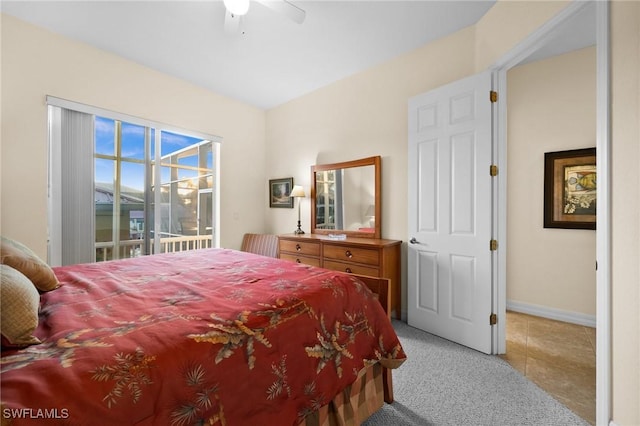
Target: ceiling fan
[[236, 9]]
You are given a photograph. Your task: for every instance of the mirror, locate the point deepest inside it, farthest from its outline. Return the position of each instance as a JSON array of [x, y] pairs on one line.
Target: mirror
[[345, 198]]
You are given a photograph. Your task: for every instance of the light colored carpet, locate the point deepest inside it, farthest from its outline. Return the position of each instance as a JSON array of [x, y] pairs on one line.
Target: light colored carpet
[[443, 383]]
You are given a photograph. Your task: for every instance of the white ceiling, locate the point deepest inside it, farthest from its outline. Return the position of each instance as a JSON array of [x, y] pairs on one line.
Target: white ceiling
[[578, 32], [276, 60]]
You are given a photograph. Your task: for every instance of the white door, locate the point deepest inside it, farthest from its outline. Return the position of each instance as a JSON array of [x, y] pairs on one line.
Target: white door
[[450, 212]]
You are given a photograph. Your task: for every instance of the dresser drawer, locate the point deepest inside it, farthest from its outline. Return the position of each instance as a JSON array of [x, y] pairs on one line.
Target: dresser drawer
[[300, 247], [351, 268], [311, 261], [351, 254], [372, 257]]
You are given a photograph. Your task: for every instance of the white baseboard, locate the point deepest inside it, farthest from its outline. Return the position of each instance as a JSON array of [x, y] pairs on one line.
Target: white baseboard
[[552, 313]]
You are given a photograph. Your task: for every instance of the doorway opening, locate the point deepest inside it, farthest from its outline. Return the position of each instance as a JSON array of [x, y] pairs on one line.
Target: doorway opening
[[547, 34]]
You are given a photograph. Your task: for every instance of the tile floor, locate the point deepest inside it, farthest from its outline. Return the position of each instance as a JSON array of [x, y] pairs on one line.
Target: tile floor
[[557, 356]]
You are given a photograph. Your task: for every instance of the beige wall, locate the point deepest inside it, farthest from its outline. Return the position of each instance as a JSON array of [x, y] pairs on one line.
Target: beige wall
[[36, 63], [507, 23], [552, 107], [625, 210], [357, 117]]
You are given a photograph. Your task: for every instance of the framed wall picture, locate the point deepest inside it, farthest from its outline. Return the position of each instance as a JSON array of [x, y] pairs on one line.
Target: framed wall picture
[[279, 190], [570, 189]]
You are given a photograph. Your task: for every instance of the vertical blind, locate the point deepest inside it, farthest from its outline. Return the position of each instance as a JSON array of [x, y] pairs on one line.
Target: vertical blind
[[71, 236]]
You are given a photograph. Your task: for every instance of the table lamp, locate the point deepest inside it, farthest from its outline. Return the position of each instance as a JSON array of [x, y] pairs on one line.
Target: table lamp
[[298, 192]]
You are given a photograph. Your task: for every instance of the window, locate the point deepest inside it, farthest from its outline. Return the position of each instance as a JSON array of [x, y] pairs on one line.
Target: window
[[149, 189]]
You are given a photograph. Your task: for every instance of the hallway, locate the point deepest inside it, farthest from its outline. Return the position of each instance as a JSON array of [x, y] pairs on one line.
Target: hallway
[[557, 356]]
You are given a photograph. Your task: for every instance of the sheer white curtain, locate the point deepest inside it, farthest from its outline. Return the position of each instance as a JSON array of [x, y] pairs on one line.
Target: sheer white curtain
[[71, 189]]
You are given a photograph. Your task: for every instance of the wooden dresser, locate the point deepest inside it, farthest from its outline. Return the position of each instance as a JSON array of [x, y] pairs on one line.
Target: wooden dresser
[[364, 256]]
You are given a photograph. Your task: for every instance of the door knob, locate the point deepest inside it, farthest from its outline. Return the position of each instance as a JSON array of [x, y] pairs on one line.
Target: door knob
[[413, 240]]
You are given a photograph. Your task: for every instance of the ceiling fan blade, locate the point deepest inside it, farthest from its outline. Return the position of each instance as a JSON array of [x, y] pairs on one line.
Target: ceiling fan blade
[[286, 8]]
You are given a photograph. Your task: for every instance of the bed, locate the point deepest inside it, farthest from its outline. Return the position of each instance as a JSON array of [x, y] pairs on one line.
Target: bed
[[211, 336]]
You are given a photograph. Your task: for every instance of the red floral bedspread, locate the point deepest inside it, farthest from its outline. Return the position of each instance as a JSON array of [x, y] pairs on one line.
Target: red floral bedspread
[[211, 336]]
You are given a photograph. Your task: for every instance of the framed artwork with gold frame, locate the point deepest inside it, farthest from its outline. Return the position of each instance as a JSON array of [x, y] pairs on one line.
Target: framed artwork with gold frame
[[570, 189]]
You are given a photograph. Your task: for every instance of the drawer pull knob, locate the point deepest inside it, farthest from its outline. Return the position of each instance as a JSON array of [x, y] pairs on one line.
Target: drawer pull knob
[[348, 254], [298, 261], [298, 248], [348, 270]]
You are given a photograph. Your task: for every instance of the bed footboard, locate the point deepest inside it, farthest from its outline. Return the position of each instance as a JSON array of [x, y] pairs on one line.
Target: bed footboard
[[380, 287]]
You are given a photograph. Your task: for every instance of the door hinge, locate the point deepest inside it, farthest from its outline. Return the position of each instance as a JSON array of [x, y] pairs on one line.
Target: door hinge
[[493, 170], [493, 245], [493, 96], [493, 319]]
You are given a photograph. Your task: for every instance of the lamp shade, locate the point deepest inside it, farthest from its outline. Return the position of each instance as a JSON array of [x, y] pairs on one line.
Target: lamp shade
[[237, 7], [297, 191], [371, 211]]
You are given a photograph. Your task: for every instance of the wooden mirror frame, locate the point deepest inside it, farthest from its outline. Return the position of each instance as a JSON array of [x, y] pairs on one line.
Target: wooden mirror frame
[[369, 161]]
